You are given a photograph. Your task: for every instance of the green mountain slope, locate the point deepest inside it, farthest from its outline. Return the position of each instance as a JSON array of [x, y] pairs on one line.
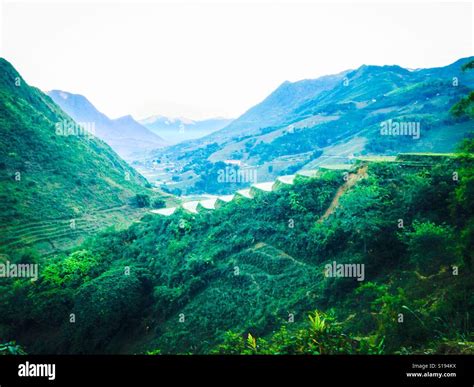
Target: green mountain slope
[[180, 284], [52, 172], [328, 121], [276, 109]]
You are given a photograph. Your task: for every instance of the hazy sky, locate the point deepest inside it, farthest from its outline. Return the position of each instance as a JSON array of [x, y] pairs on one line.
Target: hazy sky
[[217, 59]]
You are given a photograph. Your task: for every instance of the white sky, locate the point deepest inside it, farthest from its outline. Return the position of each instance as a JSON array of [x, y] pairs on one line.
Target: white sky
[[217, 59]]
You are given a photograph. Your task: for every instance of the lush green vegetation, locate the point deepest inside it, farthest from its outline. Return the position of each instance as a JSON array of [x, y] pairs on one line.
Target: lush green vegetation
[[209, 178], [465, 107], [244, 278], [320, 336], [51, 173], [72, 167], [250, 276]]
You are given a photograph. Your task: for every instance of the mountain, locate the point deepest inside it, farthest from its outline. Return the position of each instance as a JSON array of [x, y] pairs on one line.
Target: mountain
[[277, 108], [58, 182], [175, 130], [327, 121], [372, 258], [125, 135]]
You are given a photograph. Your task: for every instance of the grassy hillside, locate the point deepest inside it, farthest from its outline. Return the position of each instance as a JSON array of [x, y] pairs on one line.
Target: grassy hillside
[[244, 277], [52, 173]]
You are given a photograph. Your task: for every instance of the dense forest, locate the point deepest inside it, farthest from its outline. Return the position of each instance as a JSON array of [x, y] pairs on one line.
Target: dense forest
[[251, 276]]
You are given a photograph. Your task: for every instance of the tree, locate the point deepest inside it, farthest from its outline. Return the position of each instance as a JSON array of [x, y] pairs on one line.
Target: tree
[[430, 246], [142, 200], [465, 107], [104, 307], [463, 204], [158, 203]]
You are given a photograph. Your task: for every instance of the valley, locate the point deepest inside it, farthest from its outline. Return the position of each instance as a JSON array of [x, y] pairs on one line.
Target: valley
[[329, 120], [221, 244]]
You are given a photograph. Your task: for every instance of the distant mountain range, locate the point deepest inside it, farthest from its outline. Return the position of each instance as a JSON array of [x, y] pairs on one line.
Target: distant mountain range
[[126, 136], [328, 120], [175, 130]]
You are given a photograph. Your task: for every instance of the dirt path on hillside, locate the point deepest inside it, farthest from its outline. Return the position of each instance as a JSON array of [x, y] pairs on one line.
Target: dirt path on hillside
[[352, 179], [284, 255]]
